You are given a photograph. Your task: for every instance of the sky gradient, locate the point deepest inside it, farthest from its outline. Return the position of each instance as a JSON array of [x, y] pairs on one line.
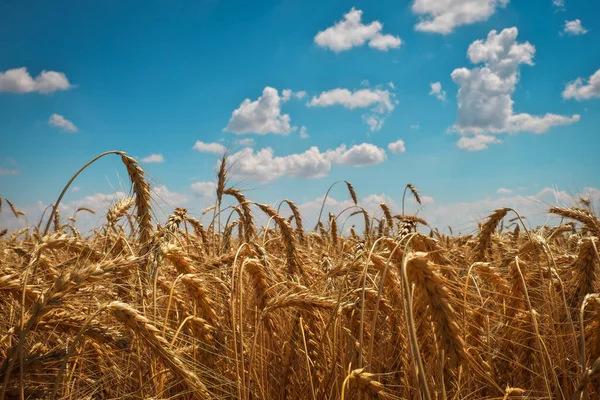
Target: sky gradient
[[478, 103]]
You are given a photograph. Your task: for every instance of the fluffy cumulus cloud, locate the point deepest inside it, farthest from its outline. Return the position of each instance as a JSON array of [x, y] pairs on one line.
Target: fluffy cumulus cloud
[[63, 123], [18, 80], [153, 158], [504, 191], [351, 32], [580, 90], [204, 190], [397, 147], [261, 116], [215, 148], [437, 91], [485, 104], [358, 155], [574, 28], [264, 166], [381, 101], [442, 16]]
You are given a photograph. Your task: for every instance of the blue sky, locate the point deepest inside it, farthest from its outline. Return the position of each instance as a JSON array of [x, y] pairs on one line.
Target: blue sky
[[495, 102]]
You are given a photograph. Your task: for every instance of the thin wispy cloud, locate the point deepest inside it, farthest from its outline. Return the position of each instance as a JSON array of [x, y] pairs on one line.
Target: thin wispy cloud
[[153, 158]]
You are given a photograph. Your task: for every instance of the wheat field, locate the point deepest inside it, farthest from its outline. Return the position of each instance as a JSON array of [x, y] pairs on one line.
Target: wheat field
[[222, 307]]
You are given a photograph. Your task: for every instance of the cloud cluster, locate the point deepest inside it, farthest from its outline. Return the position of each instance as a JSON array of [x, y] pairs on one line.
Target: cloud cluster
[[442, 16], [18, 80], [485, 104], [351, 32], [381, 101], [264, 166], [579, 90], [464, 216], [63, 123], [261, 116]]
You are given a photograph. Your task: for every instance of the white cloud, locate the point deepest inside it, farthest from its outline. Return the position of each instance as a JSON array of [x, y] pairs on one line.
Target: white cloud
[[310, 209], [162, 195], [383, 99], [358, 155], [426, 200], [204, 190], [75, 189], [385, 42], [287, 94], [215, 148], [397, 147], [574, 28], [442, 16], [415, 126], [464, 216], [484, 99], [153, 158], [18, 80], [303, 133], [504, 191], [383, 102], [351, 32], [61, 122], [579, 90], [4, 171], [261, 116], [163, 200], [436, 90], [264, 166], [246, 142], [559, 5], [375, 121], [477, 142]]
